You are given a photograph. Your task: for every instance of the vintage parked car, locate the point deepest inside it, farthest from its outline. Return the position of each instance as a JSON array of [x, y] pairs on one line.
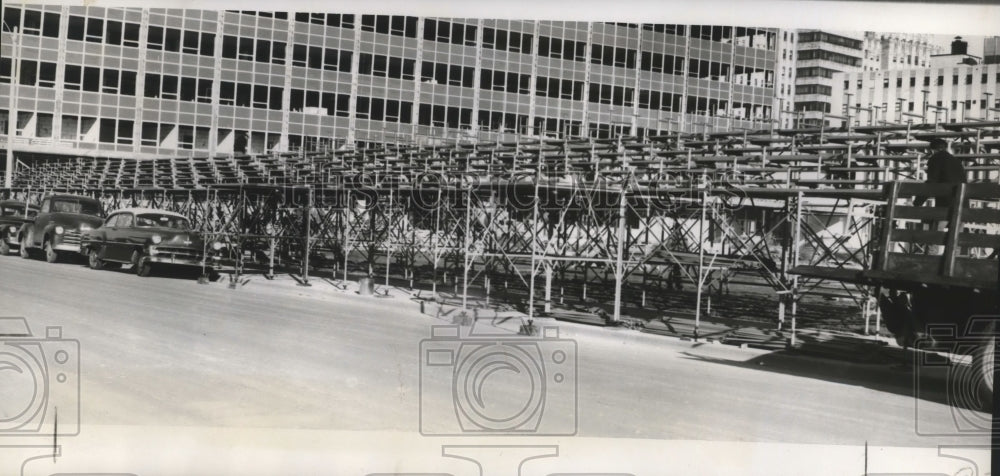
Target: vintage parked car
[[142, 237], [61, 222], [13, 215]]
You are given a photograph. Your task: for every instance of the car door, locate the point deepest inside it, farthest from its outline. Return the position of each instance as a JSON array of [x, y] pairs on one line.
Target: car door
[[102, 236], [122, 237]]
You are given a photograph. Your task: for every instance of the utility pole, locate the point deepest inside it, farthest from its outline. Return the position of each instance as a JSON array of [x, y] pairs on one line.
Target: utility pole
[[8, 176]]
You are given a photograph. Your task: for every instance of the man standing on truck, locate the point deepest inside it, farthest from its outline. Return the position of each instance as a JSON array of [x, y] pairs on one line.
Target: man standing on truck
[[944, 168]]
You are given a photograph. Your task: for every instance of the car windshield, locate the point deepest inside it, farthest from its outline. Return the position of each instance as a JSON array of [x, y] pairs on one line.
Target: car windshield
[[12, 210], [162, 221], [76, 206]]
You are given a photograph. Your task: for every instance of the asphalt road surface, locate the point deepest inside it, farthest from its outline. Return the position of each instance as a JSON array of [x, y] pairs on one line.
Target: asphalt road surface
[[178, 375]]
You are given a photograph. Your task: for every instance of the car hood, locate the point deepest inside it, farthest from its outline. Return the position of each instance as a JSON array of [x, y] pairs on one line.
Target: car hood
[[75, 220], [12, 220]]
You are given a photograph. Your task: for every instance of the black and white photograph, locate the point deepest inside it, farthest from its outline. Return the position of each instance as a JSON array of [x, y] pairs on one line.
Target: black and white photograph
[[526, 238]]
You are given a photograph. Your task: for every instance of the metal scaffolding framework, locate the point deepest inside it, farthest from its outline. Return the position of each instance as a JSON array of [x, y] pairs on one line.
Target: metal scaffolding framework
[[540, 221]]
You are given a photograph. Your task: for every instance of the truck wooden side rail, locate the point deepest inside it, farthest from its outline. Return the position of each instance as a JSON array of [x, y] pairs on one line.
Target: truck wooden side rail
[[936, 268], [908, 257]]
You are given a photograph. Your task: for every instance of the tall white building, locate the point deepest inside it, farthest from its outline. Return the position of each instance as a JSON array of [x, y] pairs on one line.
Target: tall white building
[[784, 84], [956, 93], [821, 54], [991, 50], [884, 51]]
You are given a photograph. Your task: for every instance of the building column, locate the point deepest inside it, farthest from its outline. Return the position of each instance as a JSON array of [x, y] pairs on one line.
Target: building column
[[286, 91], [353, 103], [213, 131], [60, 74]]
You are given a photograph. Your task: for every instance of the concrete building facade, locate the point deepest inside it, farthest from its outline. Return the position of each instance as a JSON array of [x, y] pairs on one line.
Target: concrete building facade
[[991, 50], [885, 51], [154, 82], [950, 94], [821, 54]]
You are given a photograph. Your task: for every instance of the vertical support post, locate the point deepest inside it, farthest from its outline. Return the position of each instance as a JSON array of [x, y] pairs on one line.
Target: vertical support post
[[951, 247], [867, 312], [466, 249], [534, 246], [796, 250], [434, 242], [270, 259], [887, 226], [548, 287], [307, 216], [619, 258], [701, 263], [389, 241]]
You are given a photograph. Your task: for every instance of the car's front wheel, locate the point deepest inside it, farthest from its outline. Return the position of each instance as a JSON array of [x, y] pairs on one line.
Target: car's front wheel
[[51, 255], [4, 247], [94, 260], [23, 249], [141, 264]]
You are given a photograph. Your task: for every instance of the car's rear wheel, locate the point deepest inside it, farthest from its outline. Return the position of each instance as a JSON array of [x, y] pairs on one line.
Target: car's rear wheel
[[51, 255], [23, 250], [94, 260], [141, 264]]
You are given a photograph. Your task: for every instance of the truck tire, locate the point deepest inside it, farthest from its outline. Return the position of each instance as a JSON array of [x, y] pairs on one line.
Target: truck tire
[[984, 364], [51, 255]]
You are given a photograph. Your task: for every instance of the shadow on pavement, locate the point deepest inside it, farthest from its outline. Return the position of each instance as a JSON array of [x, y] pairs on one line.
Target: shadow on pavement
[[903, 378]]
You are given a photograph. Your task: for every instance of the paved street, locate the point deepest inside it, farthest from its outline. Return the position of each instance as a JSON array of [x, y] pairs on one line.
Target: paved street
[[272, 367]]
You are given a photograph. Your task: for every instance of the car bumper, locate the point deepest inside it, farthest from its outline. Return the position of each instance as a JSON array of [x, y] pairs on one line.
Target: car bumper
[[177, 256]]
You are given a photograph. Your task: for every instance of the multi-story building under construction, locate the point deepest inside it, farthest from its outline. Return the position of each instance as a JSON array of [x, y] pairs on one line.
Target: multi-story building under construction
[[155, 82]]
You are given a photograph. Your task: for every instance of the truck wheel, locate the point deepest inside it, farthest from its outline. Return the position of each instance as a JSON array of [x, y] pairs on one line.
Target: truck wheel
[[983, 362], [51, 255], [4, 247], [23, 249], [94, 260], [141, 264]]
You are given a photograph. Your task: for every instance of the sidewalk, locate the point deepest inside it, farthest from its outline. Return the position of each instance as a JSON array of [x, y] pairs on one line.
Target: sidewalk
[[677, 322]]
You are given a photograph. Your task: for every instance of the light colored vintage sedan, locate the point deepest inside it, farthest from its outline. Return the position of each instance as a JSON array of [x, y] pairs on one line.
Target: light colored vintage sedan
[[143, 238]]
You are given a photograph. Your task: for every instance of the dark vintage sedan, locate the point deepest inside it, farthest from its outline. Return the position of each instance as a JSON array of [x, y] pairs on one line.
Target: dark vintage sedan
[[13, 215], [61, 222], [143, 237]]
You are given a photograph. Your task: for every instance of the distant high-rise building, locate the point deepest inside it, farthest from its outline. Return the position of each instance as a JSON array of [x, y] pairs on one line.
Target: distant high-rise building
[[784, 84], [886, 51], [820, 54], [991, 50]]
